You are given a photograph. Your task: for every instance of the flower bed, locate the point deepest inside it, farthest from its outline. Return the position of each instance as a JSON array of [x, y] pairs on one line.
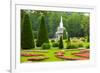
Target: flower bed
[[84, 55], [44, 51], [59, 53], [27, 55], [70, 58], [38, 58], [84, 51]]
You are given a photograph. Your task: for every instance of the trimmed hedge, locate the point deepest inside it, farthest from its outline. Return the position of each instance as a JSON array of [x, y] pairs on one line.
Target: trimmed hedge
[[27, 40], [61, 43], [42, 33]]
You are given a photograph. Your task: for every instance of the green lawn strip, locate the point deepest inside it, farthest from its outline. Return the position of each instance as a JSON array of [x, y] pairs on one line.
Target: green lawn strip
[[69, 53]]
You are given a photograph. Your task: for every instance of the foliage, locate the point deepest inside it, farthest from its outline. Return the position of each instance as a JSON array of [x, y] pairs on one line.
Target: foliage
[[52, 41], [61, 43], [54, 44], [87, 45], [80, 44], [74, 27], [83, 39], [75, 43], [88, 38], [27, 40], [72, 46], [46, 46], [85, 24], [42, 33], [66, 41], [65, 35], [35, 34], [75, 23], [22, 17]]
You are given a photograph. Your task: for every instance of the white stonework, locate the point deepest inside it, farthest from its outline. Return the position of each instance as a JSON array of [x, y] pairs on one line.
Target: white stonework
[[60, 29]]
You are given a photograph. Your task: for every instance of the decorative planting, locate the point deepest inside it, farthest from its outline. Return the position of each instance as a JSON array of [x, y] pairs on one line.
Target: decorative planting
[[28, 55], [38, 58]]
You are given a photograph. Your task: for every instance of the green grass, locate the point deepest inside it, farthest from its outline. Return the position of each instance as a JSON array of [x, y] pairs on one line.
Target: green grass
[[51, 54]]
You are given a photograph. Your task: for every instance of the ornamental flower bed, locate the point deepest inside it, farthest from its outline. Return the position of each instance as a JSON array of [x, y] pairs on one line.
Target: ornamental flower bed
[[70, 58], [27, 55], [82, 53], [44, 51], [38, 58], [61, 55], [85, 55]]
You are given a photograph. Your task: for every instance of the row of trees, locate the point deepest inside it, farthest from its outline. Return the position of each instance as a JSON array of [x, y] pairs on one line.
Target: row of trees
[[71, 20], [27, 39], [76, 24]]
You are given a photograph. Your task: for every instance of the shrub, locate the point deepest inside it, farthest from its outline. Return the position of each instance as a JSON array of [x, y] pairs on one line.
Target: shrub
[[52, 41], [66, 41], [80, 45], [42, 33], [55, 44], [74, 40], [72, 45], [77, 42], [65, 35], [87, 45], [82, 39], [61, 43], [27, 40], [46, 46]]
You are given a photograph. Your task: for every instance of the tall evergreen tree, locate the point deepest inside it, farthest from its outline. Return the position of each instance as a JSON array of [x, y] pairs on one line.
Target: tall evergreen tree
[[61, 43], [27, 40], [42, 33]]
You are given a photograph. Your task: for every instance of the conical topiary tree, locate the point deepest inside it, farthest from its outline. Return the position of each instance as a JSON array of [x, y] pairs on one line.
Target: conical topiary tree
[[61, 43], [27, 40], [64, 34], [42, 33], [68, 42]]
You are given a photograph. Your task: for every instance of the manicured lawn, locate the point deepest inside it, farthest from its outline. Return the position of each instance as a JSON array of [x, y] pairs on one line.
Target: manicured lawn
[[49, 53]]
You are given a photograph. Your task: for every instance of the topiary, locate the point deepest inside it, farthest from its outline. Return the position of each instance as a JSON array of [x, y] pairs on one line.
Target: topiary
[[46, 46], [61, 43], [42, 33], [65, 35], [27, 40]]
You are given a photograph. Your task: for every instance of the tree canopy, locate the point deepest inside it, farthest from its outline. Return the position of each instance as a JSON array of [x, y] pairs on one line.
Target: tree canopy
[[75, 23]]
